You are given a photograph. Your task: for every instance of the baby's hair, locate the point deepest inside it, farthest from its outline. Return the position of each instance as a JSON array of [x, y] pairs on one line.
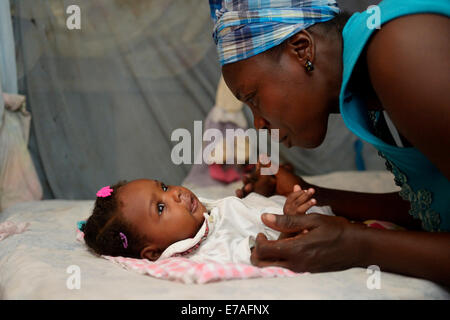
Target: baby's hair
[[105, 228]]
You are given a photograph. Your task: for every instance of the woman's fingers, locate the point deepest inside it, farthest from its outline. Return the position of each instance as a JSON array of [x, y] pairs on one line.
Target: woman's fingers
[[245, 190], [265, 249], [248, 188], [273, 250], [268, 263], [246, 178], [291, 224], [279, 252], [255, 182], [326, 247]]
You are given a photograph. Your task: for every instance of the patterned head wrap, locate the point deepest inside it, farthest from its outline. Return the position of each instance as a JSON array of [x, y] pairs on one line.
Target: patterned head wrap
[[244, 28]]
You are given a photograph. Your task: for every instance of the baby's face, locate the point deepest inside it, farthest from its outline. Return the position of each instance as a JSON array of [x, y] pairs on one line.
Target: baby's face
[[163, 214]]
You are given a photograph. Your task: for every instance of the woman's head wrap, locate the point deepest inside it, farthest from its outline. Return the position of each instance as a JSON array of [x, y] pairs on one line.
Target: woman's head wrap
[[244, 28]]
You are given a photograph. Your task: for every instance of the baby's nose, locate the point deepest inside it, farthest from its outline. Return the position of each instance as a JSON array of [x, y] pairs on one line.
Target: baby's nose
[[184, 197], [179, 195], [176, 194], [184, 200]]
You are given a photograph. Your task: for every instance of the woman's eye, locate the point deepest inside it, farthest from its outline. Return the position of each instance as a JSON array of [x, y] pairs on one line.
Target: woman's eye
[[164, 187], [160, 207]]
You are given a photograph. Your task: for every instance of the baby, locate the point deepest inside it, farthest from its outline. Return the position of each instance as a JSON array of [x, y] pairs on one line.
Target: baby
[[148, 219]]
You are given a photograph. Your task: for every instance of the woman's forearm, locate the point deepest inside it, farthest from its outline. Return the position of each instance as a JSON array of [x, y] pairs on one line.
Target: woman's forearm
[[359, 206], [413, 253]]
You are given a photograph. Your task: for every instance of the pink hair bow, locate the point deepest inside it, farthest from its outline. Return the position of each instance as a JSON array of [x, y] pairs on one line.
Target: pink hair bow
[[104, 192]]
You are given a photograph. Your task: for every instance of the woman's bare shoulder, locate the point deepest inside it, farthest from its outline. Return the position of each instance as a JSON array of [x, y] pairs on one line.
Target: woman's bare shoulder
[[411, 50], [408, 62]]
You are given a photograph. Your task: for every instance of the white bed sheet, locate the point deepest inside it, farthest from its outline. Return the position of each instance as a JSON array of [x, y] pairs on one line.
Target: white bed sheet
[[33, 265]]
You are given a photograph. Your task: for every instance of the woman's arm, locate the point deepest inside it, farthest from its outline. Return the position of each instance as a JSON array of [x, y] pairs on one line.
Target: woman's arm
[[419, 254], [333, 243], [357, 206], [360, 206]]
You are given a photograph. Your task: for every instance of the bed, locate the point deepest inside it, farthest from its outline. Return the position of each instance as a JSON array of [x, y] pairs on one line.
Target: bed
[[35, 263]]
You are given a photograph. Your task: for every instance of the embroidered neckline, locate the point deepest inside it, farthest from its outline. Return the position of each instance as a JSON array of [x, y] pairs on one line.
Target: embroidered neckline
[[420, 200], [194, 247]]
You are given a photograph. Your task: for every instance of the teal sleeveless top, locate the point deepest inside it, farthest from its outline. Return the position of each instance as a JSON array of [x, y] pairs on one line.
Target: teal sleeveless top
[[421, 183]]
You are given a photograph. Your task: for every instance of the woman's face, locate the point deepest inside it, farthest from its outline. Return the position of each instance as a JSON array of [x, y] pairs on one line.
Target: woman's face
[[163, 214], [283, 95]]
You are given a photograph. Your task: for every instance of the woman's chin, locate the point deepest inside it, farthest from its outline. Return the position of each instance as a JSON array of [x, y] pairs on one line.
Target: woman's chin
[[310, 144], [312, 141]]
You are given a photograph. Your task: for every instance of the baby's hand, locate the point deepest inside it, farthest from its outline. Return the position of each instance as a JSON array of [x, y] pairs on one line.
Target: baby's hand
[[299, 201]]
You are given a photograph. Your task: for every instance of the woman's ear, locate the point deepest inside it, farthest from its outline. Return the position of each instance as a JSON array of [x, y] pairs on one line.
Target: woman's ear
[[151, 252], [302, 45]]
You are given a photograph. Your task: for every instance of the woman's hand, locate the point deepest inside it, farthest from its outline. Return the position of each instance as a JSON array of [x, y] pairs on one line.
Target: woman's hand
[[333, 243], [255, 182], [280, 183], [330, 244]]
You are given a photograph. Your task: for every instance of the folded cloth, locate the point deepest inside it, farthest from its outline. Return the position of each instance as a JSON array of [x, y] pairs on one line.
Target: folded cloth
[[9, 228], [187, 271]]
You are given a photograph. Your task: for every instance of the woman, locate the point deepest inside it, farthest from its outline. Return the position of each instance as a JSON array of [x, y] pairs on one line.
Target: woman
[[296, 62]]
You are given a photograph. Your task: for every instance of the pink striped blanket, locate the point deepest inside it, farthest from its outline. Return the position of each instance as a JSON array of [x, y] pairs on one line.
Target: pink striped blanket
[[187, 271]]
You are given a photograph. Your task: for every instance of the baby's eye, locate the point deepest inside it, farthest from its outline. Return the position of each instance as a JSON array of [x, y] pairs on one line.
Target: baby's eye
[[164, 187], [160, 207]]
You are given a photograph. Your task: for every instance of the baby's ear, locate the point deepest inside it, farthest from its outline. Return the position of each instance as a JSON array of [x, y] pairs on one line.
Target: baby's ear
[[151, 252]]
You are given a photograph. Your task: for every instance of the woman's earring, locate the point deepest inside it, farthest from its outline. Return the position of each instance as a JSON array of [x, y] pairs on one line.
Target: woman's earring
[[309, 66]]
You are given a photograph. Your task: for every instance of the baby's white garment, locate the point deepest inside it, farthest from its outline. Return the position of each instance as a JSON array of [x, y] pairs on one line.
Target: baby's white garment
[[229, 231]]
